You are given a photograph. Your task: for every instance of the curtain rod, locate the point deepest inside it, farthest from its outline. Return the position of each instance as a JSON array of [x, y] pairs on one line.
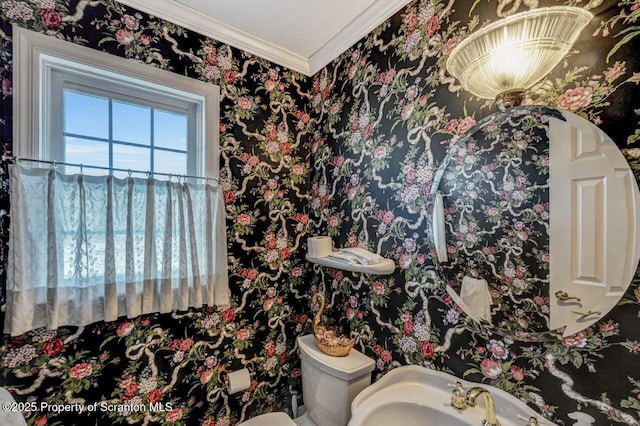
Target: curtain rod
[[129, 171]]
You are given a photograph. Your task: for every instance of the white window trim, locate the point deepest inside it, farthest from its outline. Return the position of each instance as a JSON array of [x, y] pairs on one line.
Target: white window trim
[[35, 55], [88, 83]]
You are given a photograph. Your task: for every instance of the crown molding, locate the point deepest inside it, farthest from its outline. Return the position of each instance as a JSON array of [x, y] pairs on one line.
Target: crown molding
[[199, 22], [359, 27], [192, 19]]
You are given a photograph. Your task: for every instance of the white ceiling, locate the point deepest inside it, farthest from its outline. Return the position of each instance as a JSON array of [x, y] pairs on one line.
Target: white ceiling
[[304, 35]]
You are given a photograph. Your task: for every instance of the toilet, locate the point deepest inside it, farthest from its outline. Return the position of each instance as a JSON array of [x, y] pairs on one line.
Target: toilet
[[329, 384]]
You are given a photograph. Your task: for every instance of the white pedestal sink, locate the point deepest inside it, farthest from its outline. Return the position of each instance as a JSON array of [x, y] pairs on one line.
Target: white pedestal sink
[[414, 395]]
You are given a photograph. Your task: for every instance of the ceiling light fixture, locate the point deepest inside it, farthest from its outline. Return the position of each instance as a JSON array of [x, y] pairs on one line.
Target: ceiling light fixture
[[504, 59]]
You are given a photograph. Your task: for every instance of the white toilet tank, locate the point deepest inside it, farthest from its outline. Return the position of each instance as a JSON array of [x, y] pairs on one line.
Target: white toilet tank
[[330, 383]]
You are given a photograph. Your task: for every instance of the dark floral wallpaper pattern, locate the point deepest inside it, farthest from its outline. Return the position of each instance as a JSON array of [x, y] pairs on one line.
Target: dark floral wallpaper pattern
[[495, 187], [177, 360], [350, 152], [389, 116]]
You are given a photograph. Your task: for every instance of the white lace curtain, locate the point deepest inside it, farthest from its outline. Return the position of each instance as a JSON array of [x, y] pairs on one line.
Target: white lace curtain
[[91, 248]]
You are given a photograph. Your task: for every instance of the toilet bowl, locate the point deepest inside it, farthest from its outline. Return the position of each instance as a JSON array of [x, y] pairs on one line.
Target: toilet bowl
[[329, 384], [270, 419], [10, 417]]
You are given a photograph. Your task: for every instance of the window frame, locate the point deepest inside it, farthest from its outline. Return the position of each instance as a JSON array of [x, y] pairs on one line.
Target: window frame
[[38, 60], [63, 80]]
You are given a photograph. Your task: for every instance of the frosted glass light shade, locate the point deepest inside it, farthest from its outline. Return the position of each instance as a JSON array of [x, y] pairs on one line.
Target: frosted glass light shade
[[514, 53]]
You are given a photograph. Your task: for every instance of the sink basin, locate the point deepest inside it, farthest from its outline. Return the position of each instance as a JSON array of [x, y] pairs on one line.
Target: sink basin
[[414, 395], [407, 414]]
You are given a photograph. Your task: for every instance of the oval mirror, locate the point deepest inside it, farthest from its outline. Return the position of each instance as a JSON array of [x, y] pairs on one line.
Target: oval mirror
[[534, 223]]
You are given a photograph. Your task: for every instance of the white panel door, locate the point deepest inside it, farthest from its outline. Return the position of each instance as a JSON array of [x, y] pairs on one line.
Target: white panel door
[[594, 235]]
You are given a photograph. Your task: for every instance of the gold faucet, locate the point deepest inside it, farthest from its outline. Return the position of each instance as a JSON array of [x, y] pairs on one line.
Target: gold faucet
[[489, 406], [458, 398], [533, 421]]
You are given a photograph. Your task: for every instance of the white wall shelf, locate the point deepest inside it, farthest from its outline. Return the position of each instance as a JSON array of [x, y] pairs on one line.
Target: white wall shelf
[[385, 267]]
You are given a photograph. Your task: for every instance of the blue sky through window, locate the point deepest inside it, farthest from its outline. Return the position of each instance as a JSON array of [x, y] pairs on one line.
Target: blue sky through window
[[111, 133]]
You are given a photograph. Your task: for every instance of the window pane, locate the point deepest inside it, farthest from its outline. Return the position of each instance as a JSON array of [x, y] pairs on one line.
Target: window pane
[[87, 152], [131, 123], [169, 162], [170, 130], [131, 157], [86, 115]]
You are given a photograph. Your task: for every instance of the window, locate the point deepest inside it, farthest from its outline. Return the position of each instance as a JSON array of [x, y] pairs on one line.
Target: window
[[95, 248], [74, 104], [111, 127]]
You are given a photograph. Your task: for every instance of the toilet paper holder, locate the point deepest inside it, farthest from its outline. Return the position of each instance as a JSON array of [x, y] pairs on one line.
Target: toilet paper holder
[[223, 375]]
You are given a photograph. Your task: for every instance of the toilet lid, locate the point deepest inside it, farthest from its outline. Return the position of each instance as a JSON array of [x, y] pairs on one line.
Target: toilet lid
[[270, 419], [350, 367]]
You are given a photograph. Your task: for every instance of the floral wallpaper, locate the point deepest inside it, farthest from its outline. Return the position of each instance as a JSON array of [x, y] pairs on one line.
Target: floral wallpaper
[[350, 152], [388, 114], [173, 364], [495, 187]]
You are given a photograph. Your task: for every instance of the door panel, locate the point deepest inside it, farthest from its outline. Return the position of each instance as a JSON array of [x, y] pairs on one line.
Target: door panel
[[593, 232]]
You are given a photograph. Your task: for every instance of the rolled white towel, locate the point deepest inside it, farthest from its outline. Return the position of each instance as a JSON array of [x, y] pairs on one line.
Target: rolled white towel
[[356, 255]]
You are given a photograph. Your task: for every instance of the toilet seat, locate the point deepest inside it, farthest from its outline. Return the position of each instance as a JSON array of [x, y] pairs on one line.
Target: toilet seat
[[270, 419]]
